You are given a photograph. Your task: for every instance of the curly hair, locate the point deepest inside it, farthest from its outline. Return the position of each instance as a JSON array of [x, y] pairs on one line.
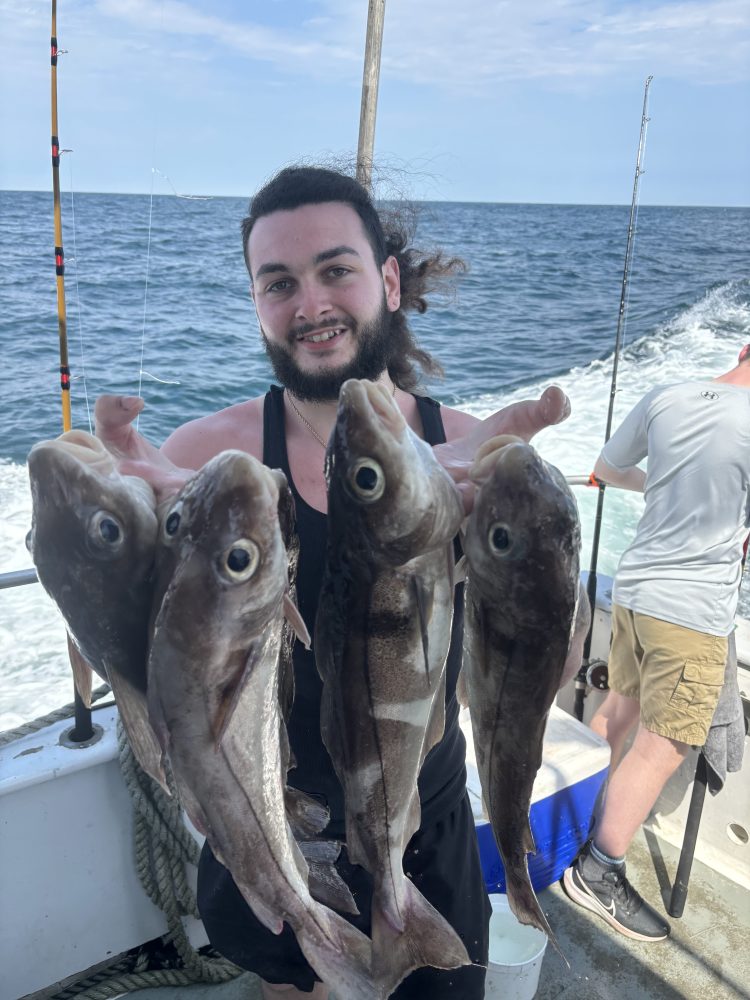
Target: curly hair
[[388, 233]]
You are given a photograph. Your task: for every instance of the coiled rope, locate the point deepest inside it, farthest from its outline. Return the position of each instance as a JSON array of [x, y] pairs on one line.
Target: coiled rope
[[163, 849]]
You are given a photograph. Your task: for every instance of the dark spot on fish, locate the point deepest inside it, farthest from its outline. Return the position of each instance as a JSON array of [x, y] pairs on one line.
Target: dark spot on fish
[[172, 523], [238, 560], [109, 530]]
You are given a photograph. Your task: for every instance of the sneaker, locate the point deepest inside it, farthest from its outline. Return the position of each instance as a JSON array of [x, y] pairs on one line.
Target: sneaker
[[615, 899]]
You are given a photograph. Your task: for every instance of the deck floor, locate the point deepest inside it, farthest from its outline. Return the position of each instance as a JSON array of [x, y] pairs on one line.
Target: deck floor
[[707, 954]]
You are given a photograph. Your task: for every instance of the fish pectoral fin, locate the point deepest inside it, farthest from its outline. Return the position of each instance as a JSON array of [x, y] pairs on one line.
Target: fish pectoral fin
[[462, 691], [528, 842], [82, 673], [293, 616], [132, 706], [229, 695], [459, 573], [423, 601]]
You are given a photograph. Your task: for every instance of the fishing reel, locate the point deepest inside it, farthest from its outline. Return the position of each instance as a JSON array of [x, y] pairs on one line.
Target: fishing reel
[[597, 675]]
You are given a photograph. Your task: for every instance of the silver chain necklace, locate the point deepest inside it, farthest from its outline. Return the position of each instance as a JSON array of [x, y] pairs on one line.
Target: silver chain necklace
[[307, 423]]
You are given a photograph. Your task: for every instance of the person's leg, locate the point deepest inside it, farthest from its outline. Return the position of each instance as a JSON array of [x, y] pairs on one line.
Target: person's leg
[[634, 788], [681, 675], [614, 720]]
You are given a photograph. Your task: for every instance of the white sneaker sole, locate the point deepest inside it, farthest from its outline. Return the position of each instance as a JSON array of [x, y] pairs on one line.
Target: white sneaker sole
[[588, 901]]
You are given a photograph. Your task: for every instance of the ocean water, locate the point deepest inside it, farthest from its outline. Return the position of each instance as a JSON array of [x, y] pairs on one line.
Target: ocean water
[[157, 302]]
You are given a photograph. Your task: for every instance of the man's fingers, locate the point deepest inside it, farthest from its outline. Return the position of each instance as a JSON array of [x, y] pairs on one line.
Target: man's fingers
[[165, 482], [530, 416], [555, 405], [114, 412], [468, 491]]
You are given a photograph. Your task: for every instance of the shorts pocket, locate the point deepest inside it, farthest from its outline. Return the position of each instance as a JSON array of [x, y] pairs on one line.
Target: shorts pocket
[[699, 685]]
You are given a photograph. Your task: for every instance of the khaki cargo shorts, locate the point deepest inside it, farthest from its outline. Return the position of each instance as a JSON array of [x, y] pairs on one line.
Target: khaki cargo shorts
[[675, 673]]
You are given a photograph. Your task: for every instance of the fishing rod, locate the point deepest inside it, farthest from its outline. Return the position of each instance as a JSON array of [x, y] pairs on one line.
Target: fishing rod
[[62, 322], [82, 730], [599, 678]]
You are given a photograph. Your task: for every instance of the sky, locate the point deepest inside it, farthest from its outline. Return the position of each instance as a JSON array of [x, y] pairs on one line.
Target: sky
[[479, 100]]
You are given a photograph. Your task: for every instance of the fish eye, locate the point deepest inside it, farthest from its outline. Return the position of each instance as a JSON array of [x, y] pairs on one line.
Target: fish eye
[[499, 538], [241, 560], [105, 530], [367, 480], [172, 521]]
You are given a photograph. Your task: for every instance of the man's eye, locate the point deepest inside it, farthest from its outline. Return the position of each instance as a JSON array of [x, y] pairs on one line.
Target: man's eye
[[282, 285], [338, 272]]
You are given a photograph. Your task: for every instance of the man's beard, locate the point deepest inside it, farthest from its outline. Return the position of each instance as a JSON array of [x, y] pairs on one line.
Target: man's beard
[[373, 352]]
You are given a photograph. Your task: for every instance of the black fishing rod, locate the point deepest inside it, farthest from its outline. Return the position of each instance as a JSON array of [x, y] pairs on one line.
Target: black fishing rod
[[599, 678]]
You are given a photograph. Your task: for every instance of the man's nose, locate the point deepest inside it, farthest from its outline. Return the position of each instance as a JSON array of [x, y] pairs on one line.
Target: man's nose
[[313, 302]]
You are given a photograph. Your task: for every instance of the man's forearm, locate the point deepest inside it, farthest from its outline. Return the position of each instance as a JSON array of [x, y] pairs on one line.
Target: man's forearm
[[632, 478]]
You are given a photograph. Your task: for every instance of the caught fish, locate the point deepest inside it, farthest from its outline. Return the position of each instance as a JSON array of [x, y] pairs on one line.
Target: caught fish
[[92, 542], [382, 634], [522, 545], [215, 700]]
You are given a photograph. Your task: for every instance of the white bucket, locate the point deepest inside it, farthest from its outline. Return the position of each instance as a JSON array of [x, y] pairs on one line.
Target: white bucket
[[516, 953]]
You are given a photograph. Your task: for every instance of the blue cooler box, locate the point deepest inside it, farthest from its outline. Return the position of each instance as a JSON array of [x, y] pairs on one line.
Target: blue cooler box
[[574, 766]]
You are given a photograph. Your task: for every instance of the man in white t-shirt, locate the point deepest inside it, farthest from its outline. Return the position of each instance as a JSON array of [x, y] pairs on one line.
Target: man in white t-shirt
[[674, 600]]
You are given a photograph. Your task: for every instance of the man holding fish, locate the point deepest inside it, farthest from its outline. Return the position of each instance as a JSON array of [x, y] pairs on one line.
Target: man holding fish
[[331, 289]]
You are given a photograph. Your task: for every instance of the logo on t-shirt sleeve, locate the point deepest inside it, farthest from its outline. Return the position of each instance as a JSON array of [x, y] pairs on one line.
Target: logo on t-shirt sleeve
[[709, 394]]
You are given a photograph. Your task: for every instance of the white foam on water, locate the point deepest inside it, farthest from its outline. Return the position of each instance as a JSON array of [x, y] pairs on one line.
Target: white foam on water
[[35, 676], [694, 344]]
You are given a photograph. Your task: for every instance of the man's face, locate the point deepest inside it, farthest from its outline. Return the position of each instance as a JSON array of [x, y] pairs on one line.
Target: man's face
[[323, 304]]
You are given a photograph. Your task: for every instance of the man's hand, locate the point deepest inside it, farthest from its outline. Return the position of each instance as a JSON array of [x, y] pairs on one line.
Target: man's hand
[[523, 420], [113, 417]]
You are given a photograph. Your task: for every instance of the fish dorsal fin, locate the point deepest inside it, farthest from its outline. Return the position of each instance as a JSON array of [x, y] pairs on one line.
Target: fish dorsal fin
[[293, 616]]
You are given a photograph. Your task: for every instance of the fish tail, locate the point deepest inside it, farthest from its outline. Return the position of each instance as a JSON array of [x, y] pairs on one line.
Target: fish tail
[[426, 938], [524, 904], [341, 955]]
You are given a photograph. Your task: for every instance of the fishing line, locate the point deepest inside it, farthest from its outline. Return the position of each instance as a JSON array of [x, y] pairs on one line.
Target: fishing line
[[584, 676], [145, 291], [82, 376], [141, 370]]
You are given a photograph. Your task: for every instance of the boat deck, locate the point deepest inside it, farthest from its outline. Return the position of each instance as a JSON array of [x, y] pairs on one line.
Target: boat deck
[[706, 955]]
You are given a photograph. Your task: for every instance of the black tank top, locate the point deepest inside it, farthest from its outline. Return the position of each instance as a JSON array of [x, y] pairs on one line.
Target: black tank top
[[442, 780]]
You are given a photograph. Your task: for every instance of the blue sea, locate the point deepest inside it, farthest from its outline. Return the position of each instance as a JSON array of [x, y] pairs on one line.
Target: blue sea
[[157, 303]]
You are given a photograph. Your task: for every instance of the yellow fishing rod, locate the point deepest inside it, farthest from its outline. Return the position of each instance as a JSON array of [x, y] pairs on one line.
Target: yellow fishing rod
[[82, 730], [62, 322]]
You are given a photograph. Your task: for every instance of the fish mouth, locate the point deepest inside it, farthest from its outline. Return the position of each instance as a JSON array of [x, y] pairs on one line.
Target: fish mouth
[[371, 407]]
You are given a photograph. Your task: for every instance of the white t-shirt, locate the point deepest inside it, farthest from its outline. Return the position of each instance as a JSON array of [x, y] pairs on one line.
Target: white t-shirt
[[684, 564]]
